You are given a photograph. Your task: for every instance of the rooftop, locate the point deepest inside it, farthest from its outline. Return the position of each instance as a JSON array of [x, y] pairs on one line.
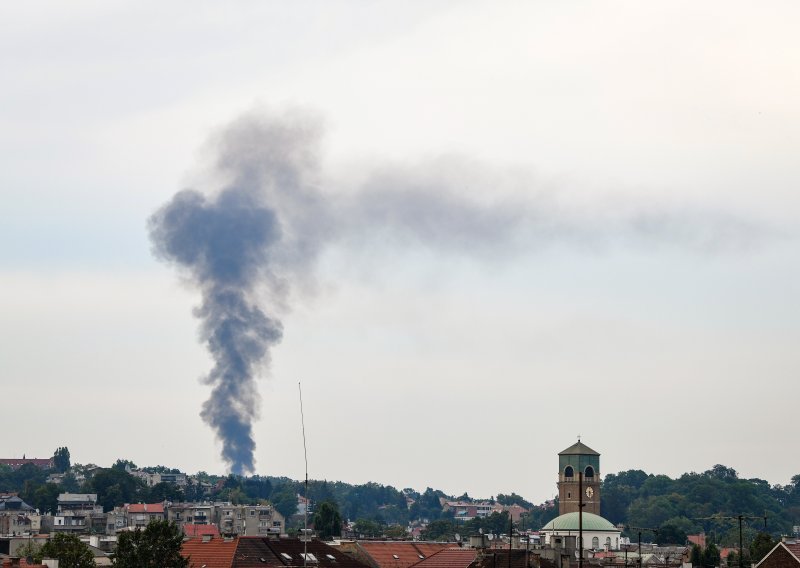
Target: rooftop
[[569, 522], [579, 448], [211, 553]]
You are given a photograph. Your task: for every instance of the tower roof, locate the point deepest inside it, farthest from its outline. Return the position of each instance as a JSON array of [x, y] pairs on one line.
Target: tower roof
[[579, 448]]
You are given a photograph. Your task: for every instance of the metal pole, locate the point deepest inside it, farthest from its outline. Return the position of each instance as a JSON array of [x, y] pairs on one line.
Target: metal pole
[[640, 549], [305, 457], [741, 549], [580, 518], [510, 537]]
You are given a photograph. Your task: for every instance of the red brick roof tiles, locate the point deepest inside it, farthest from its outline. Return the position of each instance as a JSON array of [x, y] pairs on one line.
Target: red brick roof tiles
[[153, 508], [191, 530], [213, 553], [449, 558], [388, 554]]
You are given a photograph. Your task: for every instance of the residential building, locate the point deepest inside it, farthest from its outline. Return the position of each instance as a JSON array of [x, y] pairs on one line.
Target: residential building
[[252, 552], [17, 517], [467, 510], [141, 514], [16, 463], [391, 554], [78, 513], [783, 555]]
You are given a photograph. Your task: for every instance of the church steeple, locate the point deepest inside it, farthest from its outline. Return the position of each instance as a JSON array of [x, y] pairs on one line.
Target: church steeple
[[578, 459]]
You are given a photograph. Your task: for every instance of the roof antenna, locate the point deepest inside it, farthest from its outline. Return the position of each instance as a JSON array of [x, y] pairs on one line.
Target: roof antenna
[[305, 457]]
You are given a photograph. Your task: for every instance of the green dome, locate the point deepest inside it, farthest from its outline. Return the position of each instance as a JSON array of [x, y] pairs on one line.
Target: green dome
[[569, 522]]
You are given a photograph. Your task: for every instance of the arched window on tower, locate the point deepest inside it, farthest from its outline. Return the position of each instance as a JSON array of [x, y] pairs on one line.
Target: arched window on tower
[[589, 471], [568, 472], [608, 541], [595, 543]]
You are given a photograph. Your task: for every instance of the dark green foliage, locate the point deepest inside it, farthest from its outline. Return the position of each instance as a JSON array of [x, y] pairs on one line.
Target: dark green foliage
[[61, 461], [496, 523], [710, 556], [672, 533], [115, 487], [285, 501], [164, 492], [441, 530], [69, 550], [762, 543], [696, 557], [43, 497], [369, 528], [694, 502], [123, 465], [157, 546], [513, 499], [328, 520]]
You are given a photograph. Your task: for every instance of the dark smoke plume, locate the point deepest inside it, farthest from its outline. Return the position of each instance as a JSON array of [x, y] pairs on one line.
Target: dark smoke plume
[[239, 245], [253, 237]]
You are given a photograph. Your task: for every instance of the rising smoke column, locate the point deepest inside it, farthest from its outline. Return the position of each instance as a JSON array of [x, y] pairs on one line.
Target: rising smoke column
[[252, 239], [239, 247]]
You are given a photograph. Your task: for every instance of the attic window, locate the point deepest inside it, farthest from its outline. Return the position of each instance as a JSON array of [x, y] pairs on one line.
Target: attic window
[[331, 557], [310, 557], [286, 556], [395, 557], [421, 556]]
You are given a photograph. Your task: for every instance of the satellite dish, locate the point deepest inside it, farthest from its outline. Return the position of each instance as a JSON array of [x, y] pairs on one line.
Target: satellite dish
[[458, 537], [480, 531], [490, 536]]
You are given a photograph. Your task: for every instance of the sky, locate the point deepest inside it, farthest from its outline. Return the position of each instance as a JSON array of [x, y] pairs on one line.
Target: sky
[[586, 225]]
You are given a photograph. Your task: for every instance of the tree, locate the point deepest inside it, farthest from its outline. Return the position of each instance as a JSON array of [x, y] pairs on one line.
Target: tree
[[157, 546], [42, 497], [697, 556], [327, 520], [710, 556], [367, 527], [285, 501], [671, 533], [123, 465], [30, 550], [761, 544], [61, 459], [114, 487], [68, 550], [442, 529], [165, 492]]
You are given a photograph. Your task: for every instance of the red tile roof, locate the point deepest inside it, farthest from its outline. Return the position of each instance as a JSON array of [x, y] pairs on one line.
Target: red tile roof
[[698, 539], [146, 508], [449, 558], [200, 530], [215, 553], [400, 554]]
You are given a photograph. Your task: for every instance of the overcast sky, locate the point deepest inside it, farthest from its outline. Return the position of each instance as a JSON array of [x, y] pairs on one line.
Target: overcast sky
[[652, 308]]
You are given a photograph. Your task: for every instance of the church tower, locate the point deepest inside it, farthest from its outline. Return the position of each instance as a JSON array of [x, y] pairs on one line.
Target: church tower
[[578, 458]]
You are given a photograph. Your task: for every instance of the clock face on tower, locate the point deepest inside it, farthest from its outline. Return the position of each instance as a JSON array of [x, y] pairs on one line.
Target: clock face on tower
[[589, 492]]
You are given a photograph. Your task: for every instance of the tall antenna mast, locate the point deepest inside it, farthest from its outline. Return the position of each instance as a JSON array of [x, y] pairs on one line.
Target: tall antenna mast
[[305, 457]]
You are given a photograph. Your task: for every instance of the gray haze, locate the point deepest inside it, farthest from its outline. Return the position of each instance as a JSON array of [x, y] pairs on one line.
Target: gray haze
[[250, 243]]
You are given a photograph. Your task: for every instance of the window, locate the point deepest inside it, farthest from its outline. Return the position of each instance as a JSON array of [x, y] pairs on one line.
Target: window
[[608, 541], [569, 495], [595, 543], [589, 471], [252, 512], [568, 471]]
